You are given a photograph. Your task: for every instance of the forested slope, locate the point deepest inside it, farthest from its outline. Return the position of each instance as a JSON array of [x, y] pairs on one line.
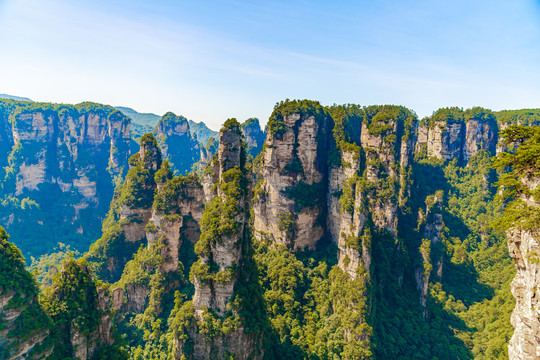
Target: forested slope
[[358, 232]]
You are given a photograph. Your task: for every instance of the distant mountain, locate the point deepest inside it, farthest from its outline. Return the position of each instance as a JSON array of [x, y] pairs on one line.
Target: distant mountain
[[12, 97], [140, 118], [144, 123], [254, 135], [177, 143], [73, 174], [202, 131]]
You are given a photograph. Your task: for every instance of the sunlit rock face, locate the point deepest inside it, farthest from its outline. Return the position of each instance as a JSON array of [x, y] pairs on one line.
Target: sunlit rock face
[[74, 154], [290, 207], [459, 135], [524, 247]]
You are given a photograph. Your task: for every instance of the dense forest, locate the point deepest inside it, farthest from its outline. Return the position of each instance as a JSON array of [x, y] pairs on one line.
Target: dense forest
[[355, 232]]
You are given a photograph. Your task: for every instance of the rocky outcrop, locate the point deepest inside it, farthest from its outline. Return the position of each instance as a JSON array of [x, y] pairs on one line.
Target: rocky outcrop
[[176, 217], [134, 215], [452, 133], [215, 275], [290, 197], [525, 249], [131, 209], [224, 252], [354, 255], [69, 143], [85, 345], [176, 142], [77, 153], [82, 314], [253, 135], [430, 225], [11, 346]]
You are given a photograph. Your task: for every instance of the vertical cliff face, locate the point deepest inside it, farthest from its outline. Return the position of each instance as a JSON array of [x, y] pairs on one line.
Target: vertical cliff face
[[220, 268], [430, 226], [525, 249], [369, 180], [222, 249], [131, 209], [452, 133], [176, 216], [290, 205], [253, 135], [64, 143], [72, 320], [136, 202], [74, 153], [176, 142]]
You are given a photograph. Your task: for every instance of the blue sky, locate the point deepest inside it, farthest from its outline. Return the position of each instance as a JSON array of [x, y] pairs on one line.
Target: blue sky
[[211, 60]]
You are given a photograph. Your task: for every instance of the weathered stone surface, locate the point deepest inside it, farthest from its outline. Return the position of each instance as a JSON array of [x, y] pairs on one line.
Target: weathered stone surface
[[84, 345], [227, 251], [182, 222], [431, 225], [80, 152], [235, 345], [295, 158], [458, 139], [525, 249], [8, 318], [226, 254]]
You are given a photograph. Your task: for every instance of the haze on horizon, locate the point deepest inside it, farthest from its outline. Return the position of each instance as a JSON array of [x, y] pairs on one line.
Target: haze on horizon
[[211, 60]]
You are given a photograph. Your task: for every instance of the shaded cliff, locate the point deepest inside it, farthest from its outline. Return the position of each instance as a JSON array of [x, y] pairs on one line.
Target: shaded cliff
[[60, 165], [83, 319], [176, 142], [254, 136]]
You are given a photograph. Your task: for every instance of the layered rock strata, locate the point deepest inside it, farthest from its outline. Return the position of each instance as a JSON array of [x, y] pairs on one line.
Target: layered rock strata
[[455, 134], [76, 153], [290, 197]]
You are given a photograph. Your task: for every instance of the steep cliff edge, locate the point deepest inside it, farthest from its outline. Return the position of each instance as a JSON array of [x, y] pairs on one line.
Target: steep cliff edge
[[254, 136], [519, 190], [220, 270], [82, 315], [176, 142], [451, 133], [62, 163], [290, 196], [124, 228]]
